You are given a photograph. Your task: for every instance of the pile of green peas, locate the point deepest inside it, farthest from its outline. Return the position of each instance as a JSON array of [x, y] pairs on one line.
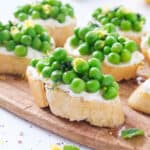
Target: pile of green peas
[[79, 74], [17, 38], [120, 17], [44, 10], [101, 42]]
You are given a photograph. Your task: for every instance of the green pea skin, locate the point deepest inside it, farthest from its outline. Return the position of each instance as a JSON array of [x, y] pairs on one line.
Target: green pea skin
[[17, 36], [55, 65], [51, 59], [74, 41], [39, 66], [4, 35], [107, 50], [137, 26], [110, 40], [34, 62], [26, 40], [22, 16], [92, 86], [94, 62], [109, 27], [110, 93], [117, 47], [20, 51], [54, 11], [94, 73], [115, 21], [56, 76], [36, 43], [60, 54], [38, 28], [30, 31], [125, 25], [70, 147], [97, 12], [84, 49], [45, 37], [35, 14], [121, 39], [148, 40], [77, 85], [99, 55], [107, 80], [61, 18], [10, 45], [125, 56], [82, 32], [104, 21], [45, 47], [114, 58], [91, 37], [99, 44], [46, 71], [68, 76], [131, 45]]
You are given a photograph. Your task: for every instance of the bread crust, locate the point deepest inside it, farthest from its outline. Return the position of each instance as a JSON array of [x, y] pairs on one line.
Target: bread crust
[[146, 54], [61, 103], [140, 100]]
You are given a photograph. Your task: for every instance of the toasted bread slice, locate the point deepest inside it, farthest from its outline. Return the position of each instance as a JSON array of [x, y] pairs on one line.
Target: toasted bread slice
[[100, 112], [140, 98]]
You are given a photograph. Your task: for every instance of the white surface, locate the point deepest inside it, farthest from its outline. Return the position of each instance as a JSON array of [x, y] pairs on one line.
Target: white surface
[[16, 134]]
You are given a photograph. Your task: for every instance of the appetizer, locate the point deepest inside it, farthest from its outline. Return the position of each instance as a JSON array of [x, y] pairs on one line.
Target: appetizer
[[57, 17], [127, 22], [19, 43], [140, 98], [75, 89], [147, 1], [145, 46], [119, 55]]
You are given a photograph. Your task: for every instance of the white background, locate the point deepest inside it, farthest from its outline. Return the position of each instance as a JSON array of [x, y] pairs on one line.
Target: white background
[[17, 134]]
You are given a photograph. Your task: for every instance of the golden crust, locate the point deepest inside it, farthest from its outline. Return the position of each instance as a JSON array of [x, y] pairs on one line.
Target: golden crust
[[38, 91], [121, 72], [13, 65], [103, 114], [140, 100], [146, 54]]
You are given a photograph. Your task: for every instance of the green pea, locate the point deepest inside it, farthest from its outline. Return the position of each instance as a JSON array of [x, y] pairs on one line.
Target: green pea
[[107, 80], [117, 47], [148, 40], [54, 11], [84, 49], [121, 39], [77, 85], [94, 73], [125, 25], [110, 93], [60, 54], [39, 66], [61, 18], [74, 41], [30, 31], [17, 36], [94, 62], [55, 3], [80, 65], [68, 76], [115, 21], [51, 59], [37, 7], [38, 29], [106, 50], [45, 47], [91, 37], [99, 45], [114, 58], [20, 51], [76, 32], [109, 27], [131, 45], [125, 56], [137, 26], [97, 12], [10, 45], [34, 62], [36, 43], [26, 40], [115, 85], [45, 37], [99, 55], [92, 86], [26, 8], [82, 32], [35, 14], [56, 76], [120, 12], [110, 40], [132, 17], [104, 20], [22, 16], [4, 35], [46, 71]]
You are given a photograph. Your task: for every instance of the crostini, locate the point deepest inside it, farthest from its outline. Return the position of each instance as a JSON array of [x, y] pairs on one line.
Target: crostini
[[127, 22], [145, 46], [140, 98], [75, 89], [58, 18], [119, 55], [19, 43]]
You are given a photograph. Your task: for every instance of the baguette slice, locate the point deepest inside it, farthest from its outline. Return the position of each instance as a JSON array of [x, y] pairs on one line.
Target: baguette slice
[[120, 72], [62, 103], [140, 98]]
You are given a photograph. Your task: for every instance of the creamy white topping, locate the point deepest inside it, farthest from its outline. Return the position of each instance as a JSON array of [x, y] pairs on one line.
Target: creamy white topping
[[146, 86], [85, 95], [136, 58]]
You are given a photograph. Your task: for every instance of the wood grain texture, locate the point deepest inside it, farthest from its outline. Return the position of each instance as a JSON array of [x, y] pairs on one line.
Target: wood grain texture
[[16, 98]]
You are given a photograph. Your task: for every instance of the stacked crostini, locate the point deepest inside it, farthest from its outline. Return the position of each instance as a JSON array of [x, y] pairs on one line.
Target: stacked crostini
[[58, 18], [145, 46], [119, 55], [75, 89], [127, 22], [140, 98], [19, 43]]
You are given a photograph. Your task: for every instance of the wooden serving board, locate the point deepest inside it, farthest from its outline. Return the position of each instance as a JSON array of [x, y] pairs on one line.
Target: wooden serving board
[[16, 98]]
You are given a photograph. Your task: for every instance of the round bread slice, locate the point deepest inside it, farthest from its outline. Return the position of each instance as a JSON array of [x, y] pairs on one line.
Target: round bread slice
[[119, 72], [76, 107], [140, 98]]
